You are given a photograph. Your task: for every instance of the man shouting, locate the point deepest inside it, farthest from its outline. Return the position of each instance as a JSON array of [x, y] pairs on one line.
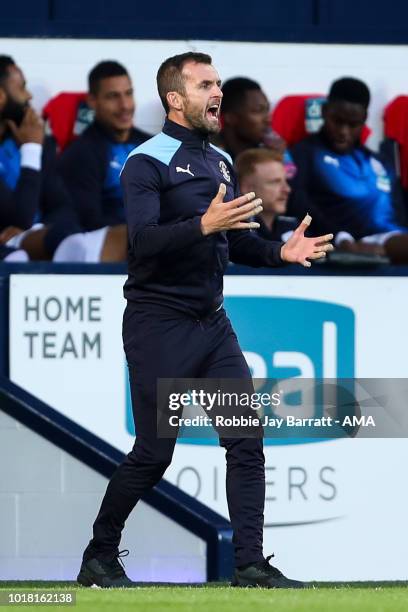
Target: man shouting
[[186, 220]]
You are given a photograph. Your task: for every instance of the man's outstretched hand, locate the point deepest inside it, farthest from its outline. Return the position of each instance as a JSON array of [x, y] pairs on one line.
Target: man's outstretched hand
[[236, 214], [299, 249]]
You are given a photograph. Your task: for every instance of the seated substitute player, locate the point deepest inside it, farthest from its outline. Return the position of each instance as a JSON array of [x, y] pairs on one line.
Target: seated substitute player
[[246, 122], [91, 165], [186, 219], [36, 213], [263, 171], [343, 184], [245, 116], [30, 189]]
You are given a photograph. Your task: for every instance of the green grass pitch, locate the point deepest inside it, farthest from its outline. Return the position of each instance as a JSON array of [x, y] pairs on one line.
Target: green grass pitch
[[333, 597]]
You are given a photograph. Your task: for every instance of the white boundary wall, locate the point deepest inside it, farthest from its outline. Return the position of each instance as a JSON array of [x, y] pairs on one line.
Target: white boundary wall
[[48, 502]]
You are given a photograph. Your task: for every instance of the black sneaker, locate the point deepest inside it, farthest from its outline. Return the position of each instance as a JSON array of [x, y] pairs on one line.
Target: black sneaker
[[262, 574], [106, 573]]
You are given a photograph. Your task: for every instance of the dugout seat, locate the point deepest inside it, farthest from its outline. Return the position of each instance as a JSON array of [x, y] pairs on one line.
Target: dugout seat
[[295, 117], [67, 115], [396, 136]]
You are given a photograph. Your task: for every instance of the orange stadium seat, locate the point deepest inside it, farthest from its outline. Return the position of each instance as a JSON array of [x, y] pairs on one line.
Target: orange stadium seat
[[66, 116]]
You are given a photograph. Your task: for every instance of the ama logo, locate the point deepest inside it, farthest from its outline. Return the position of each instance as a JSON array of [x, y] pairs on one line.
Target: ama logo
[[284, 338]]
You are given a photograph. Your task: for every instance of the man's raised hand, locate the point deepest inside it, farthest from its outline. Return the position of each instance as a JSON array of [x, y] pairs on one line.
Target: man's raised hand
[[31, 128], [299, 249], [222, 216]]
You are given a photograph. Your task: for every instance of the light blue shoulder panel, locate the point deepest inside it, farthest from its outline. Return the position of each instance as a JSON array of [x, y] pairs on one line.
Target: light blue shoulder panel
[[160, 147], [224, 153]]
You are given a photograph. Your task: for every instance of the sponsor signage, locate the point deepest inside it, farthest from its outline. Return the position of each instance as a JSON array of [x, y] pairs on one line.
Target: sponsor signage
[[325, 499]]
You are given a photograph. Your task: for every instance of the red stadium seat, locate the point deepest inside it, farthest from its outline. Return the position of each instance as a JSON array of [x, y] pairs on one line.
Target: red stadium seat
[[295, 117], [67, 115], [289, 117], [396, 129]]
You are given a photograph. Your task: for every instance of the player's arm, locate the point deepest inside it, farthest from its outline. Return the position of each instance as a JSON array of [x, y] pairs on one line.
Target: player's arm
[[301, 200], [20, 205], [247, 248], [142, 185]]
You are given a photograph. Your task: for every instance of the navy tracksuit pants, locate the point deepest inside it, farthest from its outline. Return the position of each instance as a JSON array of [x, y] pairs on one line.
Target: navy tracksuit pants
[[163, 343]]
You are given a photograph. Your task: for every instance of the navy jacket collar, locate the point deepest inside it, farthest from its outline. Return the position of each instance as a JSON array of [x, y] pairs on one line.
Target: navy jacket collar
[[190, 137]]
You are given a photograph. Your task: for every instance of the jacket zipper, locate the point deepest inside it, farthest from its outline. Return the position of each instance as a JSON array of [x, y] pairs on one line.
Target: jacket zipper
[[215, 273]]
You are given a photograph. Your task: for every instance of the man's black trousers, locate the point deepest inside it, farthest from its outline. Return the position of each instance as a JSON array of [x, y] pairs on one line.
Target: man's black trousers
[[162, 343]]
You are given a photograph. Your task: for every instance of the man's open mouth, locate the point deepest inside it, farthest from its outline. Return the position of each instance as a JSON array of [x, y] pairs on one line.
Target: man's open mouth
[[213, 111]]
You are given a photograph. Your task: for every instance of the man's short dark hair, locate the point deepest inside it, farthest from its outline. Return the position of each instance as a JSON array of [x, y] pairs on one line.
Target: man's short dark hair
[[5, 62], [350, 90], [169, 77], [234, 91], [104, 70]]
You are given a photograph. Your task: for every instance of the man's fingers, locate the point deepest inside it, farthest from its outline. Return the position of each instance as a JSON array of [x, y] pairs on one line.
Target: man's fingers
[[322, 239], [245, 225], [304, 225], [242, 200], [324, 247], [221, 193], [32, 115], [252, 208], [317, 255], [244, 216], [29, 117], [12, 126]]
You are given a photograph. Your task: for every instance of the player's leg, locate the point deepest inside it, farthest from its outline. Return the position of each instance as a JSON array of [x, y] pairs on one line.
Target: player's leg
[[245, 482], [157, 345], [141, 469]]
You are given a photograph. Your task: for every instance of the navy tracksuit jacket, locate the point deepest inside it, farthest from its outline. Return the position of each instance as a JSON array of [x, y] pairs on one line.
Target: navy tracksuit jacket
[[174, 325], [90, 167], [168, 183]]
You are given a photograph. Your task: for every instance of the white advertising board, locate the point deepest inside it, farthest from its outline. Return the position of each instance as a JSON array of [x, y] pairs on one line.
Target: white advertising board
[[335, 510]]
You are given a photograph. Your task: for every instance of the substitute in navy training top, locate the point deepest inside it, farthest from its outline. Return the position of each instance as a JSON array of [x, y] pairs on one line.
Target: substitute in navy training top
[[30, 189], [181, 236], [343, 184], [91, 165]]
